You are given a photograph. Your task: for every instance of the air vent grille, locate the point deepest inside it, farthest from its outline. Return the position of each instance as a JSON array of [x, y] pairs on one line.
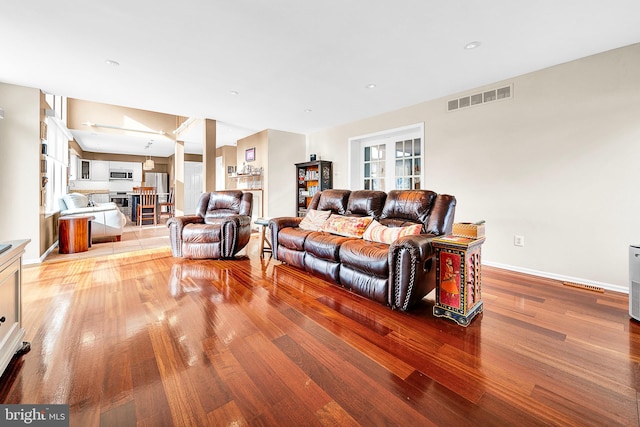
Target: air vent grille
[[480, 98]]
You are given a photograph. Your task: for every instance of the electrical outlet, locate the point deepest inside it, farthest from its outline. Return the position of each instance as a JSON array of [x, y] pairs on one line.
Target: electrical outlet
[[518, 240]]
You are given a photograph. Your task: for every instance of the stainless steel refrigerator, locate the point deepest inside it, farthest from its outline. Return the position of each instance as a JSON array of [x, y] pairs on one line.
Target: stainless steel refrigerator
[[160, 181]]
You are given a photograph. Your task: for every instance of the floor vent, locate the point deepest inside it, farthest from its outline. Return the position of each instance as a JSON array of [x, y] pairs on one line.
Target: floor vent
[[480, 98], [585, 287]]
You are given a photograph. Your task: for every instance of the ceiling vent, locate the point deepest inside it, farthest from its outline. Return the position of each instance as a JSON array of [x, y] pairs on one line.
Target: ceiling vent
[[480, 98]]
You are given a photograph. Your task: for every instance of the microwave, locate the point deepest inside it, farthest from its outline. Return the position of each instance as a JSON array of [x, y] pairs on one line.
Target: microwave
[[121, 174]]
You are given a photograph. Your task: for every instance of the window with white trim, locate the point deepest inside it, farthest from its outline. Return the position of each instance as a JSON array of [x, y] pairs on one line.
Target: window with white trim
[[56, 159], [388, 160]]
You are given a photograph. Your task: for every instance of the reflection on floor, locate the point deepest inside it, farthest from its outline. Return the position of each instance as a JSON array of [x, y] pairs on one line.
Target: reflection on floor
[[134, 238]]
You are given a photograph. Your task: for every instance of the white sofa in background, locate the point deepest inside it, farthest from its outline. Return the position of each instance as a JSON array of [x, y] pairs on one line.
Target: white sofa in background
[[108, 222]]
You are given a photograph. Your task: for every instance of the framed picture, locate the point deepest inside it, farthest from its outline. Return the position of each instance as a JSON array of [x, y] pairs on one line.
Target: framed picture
[[250, 154]]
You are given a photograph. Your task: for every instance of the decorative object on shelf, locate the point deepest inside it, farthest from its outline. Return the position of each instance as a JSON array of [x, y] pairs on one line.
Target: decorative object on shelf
[[312, 158], [249, 177], [250, 154], [466, 229], [43, 131]]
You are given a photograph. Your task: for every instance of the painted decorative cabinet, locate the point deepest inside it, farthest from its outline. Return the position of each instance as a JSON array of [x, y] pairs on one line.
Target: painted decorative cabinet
[[458, 278]]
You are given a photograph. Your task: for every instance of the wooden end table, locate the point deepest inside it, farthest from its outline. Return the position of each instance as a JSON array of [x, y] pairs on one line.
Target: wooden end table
[[74, 233], [265, 244]]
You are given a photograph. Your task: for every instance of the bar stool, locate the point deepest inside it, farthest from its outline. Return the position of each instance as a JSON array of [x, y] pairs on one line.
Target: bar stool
[[147, 205]]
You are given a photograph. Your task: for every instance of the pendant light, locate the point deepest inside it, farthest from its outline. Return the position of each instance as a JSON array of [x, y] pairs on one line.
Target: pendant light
[[148, 164]]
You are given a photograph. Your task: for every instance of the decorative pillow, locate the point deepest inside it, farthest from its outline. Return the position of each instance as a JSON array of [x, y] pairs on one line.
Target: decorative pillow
[[377, 232], [75, 201], [314, 220], [348, 226]]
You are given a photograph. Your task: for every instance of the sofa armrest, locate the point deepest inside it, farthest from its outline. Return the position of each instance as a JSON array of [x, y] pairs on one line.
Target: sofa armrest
[[411, 270], [176, 224], [277, 224], [237, 233]]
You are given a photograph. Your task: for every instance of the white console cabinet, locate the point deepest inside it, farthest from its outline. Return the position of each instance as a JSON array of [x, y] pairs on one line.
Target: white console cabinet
[[11, 331]]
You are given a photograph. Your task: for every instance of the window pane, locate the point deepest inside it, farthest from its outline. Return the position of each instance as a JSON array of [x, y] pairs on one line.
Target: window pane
[[367, 170], [408, 150], [399, 150], [367, 154], [416, 147], [416, 166], [382, 151], [367, 184], [408, 167], [374, 169], [416, 183], [399, 168], [381, 169]]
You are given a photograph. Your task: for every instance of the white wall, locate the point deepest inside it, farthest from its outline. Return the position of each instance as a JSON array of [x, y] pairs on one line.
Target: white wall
[[558, 164], [20, 167], [285, 150]]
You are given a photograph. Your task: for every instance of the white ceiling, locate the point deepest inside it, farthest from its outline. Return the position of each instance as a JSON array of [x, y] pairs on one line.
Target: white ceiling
[[286, 57]]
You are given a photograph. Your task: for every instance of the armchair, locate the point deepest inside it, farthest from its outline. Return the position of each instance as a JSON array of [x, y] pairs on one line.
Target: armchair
[[220, 228]]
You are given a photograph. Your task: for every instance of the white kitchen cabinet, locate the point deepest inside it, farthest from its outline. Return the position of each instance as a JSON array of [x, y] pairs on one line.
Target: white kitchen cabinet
[[84, 169], [99, 170], [73, 167], [11, 331], [137, 172]]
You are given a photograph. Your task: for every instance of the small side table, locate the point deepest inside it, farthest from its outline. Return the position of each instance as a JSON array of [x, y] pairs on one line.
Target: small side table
[[458, 278], [74, 233], [265, 243]]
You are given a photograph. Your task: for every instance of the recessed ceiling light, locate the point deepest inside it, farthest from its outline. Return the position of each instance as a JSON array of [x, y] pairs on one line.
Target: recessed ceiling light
[[112, 62], [370, 86], [308, 110], [234, 92], [472, 45]]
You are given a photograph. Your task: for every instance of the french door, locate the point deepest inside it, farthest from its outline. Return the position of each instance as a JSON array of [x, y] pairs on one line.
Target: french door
[[388, 160]]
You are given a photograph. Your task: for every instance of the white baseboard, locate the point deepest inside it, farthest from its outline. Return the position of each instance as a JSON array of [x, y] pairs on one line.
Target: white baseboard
[[608, 286], [42, 257]]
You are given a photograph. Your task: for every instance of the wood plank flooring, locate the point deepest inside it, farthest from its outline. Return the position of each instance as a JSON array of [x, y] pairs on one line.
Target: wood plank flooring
[[145, 339]]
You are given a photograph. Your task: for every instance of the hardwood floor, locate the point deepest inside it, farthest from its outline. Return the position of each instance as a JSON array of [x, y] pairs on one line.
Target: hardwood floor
[[149, 340]]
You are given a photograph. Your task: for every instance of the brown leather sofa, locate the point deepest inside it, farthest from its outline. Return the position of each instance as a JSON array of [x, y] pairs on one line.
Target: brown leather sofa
[[398, 274], [220, 228]]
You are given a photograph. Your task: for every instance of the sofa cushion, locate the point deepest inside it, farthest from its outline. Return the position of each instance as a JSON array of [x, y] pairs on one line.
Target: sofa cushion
[[377, 232], [366, 203], [324, 245], [367, 257], [75, 201], [201, 233], [346, 225], [334, 201], [293, 238], [404, 206], [314, 220]]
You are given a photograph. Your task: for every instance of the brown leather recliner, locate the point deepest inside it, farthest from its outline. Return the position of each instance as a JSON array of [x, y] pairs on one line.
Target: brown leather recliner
[[220, 228], [398, 274]]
